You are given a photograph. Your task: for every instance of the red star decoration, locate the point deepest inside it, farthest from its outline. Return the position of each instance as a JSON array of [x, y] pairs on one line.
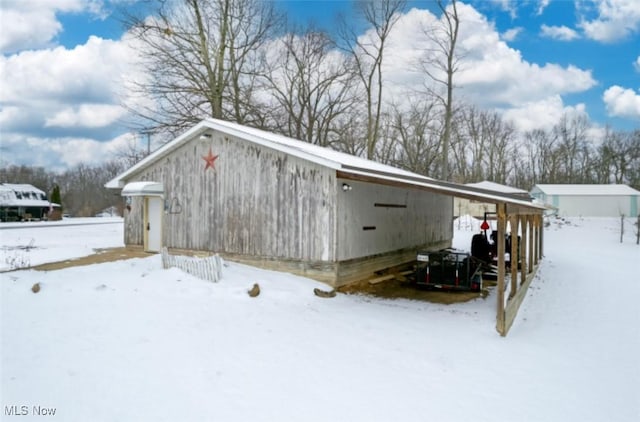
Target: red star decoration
[[210, 160]]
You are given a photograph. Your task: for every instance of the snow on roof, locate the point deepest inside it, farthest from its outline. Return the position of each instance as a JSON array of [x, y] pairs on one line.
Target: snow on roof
[[143, 189], [587, 190], [310, 152], [21, 187], [485, 184], [446, 188], [340, 161], [23, 195]]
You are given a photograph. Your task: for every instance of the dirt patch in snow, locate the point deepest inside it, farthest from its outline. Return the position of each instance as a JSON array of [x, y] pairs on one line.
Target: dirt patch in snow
[[101, 256], [401, 289], [400, 286]]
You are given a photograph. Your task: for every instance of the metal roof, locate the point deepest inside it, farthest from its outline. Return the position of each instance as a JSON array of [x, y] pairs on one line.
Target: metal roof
[[586, 190], [485, 184], [346, 165]]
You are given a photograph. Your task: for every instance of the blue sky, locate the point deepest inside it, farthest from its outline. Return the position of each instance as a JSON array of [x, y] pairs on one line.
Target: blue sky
[[64, 67]]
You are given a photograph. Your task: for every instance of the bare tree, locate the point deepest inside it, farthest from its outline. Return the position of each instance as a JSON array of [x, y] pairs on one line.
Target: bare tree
[[197, 57], [349, 128], [368, 54], [482, 144], [312, 86], [36, 176], [83, 191], [619, 156], [571, 135], [546, 156], [440, 64], [417, 132], [253, 24]]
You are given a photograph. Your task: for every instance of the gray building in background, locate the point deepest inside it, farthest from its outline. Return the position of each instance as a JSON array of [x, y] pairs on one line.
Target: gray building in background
[[589, 200]]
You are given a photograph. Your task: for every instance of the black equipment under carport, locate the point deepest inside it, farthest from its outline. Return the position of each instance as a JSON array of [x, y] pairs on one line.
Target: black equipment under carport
[[486, 250], [448, 269]]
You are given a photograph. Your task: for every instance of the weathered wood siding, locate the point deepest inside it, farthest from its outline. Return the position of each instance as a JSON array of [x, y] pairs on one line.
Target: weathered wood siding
[[268, 208], [376, 219], [133, 219], [256, 201]]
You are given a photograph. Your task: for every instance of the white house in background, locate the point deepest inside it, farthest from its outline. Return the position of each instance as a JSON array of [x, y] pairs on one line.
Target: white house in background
[[477, 208], [589, 200], [20, 202]]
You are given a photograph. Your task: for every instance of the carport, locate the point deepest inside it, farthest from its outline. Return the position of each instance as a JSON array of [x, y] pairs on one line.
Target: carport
[[523, 217]]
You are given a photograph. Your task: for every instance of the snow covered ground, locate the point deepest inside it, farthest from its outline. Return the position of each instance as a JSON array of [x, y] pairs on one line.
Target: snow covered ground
[[129, 341], [30, 244]]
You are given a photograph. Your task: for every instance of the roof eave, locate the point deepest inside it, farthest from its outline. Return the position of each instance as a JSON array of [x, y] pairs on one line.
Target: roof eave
[[445, 188], [205, 125], [119, 181]]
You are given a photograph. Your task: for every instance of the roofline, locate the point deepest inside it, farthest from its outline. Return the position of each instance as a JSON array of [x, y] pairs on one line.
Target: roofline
[[343, 170], [437, 186], [511, 190], [545, 187], [200, 129]]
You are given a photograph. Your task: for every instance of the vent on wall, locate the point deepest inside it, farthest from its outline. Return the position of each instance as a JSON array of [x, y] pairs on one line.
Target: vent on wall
[[378, 204], [369, 228]]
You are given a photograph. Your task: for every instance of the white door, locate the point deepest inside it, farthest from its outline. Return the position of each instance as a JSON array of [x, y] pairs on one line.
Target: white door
[[153, 224]]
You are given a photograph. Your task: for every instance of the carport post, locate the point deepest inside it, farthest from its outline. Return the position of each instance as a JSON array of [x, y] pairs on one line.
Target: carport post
[[532, 236], [500, 318], [513, 254], [524, 269]]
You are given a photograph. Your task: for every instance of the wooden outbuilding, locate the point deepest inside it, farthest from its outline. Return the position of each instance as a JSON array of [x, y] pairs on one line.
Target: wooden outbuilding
[[275, 202]]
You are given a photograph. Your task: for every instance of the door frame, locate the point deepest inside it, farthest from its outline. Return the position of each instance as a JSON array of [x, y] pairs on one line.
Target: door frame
[[152, 221]]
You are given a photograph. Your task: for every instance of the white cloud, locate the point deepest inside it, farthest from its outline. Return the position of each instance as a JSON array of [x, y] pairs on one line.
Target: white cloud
[[542, 5], [59, 88], [508, 6], [61, 106], [90, 71], [87, 115], [88, 151], [492, 75], [636, 64], [562, 33], [27, 30], [30, 24], [58, 154], [622, 102], [541, 114], [511, 34], [614, 20]]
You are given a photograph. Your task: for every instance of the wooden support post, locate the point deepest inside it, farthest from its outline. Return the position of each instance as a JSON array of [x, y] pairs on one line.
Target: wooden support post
[[523, 249], [508, 311], [541, 228], [530, 224], [536, 249], [513, 254], [502, 223]]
